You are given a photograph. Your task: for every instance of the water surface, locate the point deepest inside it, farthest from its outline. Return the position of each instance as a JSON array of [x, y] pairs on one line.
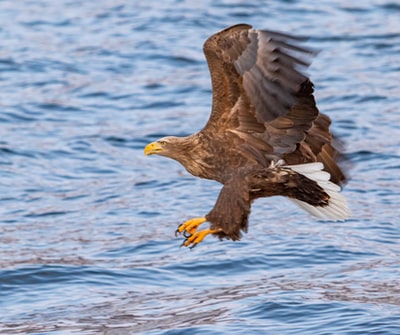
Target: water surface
[[87, 222]]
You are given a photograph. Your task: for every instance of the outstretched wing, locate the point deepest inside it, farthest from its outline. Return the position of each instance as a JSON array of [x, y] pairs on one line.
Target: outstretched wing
[[265, 66], [261, 95]]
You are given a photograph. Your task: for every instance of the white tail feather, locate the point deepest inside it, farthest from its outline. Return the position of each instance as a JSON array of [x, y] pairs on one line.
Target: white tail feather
[[337, 208]]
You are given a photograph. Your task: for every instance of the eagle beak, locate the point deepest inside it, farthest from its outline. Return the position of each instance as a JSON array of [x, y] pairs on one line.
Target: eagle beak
[[152, 148]]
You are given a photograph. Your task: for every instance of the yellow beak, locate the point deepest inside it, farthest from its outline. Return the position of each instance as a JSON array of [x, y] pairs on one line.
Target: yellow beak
[[152, 148]]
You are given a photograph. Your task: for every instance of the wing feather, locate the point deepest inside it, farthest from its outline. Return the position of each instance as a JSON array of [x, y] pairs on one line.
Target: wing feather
[[264, 66], [261, 94]]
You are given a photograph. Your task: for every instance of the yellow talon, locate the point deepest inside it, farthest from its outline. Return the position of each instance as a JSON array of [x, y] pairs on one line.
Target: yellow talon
[[198, 236], [190, 226]]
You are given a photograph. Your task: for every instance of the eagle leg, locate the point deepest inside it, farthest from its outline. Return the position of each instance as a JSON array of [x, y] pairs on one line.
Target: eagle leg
[[198, 236], [189, 227]]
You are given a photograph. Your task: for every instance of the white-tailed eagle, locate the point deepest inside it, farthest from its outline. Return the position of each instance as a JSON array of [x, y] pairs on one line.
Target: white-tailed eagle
[[265, 135]]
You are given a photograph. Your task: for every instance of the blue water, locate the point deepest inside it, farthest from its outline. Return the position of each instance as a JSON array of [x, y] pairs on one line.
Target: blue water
[[87, 222]]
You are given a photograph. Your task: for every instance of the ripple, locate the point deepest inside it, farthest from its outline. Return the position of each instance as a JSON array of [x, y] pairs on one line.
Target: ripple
[[87, 222]]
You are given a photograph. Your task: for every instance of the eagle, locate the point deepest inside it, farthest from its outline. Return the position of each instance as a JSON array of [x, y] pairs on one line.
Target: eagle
[[264, 137]]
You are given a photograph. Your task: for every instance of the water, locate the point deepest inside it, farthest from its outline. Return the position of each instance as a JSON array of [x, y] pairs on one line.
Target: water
[[87, 224]]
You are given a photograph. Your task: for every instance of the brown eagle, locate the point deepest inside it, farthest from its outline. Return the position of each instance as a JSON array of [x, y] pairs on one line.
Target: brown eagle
[[265, 135]]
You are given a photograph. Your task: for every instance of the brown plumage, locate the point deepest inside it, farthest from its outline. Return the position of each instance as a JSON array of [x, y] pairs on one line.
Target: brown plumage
[[263, 131]]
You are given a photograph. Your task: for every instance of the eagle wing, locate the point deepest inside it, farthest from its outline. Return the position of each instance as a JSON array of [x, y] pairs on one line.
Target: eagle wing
[[260, 92]]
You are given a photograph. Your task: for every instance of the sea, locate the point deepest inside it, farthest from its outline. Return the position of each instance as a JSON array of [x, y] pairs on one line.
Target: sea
[[87, 222]]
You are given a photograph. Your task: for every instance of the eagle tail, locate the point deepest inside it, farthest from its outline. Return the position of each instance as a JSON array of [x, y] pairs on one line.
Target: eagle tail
[[337, 208]]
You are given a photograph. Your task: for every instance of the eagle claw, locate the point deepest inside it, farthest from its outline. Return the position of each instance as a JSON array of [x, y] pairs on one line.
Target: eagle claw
[[186, 234], [197, 237], [189, 227], [185, 243], [189, 230]]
